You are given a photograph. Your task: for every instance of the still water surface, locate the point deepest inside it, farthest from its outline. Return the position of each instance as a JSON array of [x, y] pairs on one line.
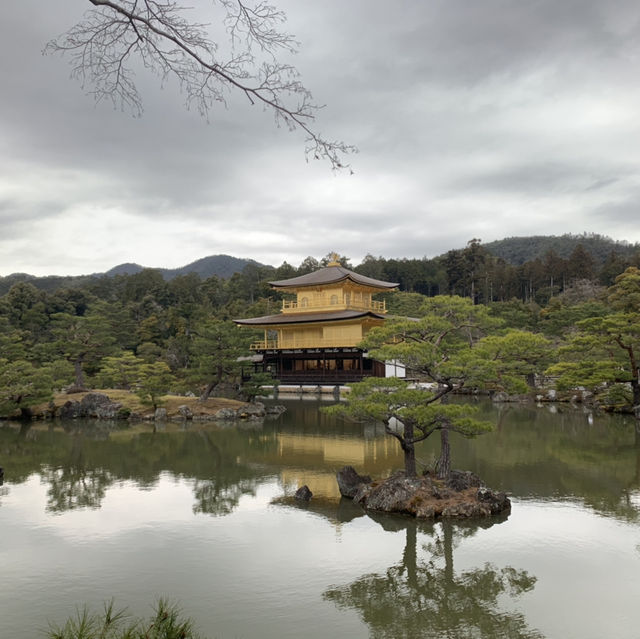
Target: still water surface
[[202, 515]]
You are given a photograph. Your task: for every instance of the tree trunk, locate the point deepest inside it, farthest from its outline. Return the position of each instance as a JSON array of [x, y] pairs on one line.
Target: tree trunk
[[409, 450], [637, 477], [25, 427], [409, 460], [635, 385], [410, 555], [447, 539], [77, 365], [207, 391], [25, 413], [443, 465]]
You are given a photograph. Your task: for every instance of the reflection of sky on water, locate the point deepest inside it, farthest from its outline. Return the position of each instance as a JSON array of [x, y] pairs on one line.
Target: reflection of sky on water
[[260, 569], [586, 567], [145, 543], [124, 507]]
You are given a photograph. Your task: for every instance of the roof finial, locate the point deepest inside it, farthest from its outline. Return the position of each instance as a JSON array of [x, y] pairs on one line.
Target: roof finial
[[335, 260]]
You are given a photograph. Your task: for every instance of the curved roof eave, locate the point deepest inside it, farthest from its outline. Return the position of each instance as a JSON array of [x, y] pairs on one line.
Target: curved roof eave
[[305, 318], [332, 275]]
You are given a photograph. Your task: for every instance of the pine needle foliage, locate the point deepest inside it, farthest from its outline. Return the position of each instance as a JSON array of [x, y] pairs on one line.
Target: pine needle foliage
[[440, 350], [167, 622]]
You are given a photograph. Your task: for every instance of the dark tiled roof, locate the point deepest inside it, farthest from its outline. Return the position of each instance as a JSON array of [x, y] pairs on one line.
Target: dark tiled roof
[[331, 275], [304, 318]]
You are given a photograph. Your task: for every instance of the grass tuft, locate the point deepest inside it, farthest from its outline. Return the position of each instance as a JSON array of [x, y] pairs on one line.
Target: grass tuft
[[167, 622]]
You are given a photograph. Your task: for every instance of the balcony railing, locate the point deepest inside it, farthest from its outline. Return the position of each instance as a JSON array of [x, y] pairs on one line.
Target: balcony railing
[[289, 306], [274, 344], [264, 345], [321, 376]]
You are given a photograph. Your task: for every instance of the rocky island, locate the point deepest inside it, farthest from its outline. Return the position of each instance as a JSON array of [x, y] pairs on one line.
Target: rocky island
[[425, 497]]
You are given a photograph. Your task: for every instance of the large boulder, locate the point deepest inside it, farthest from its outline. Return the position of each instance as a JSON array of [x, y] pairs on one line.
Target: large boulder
[[462, 479], [254, 410], [391, 495], [226, 414], [497, 502], [303, 493], [349, 481], [92, 405], [99, 406], [185, 412], [69, 410]]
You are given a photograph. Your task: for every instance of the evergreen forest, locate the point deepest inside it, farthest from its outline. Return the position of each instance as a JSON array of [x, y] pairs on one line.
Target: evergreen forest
[[561, 320]]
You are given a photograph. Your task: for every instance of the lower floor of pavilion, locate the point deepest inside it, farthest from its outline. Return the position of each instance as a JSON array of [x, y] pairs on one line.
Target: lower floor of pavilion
[[318, 365]]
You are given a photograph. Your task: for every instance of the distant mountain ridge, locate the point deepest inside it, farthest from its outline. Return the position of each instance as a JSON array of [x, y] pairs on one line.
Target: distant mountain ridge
[[223, 266], [514, 250], [219, 265], [518, 250], [128, 268]]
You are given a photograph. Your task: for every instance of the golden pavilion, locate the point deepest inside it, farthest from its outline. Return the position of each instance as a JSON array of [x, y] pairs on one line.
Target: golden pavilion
[[315, 338]]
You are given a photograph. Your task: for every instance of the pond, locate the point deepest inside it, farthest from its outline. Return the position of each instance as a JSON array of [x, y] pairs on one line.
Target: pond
[[203, 515]]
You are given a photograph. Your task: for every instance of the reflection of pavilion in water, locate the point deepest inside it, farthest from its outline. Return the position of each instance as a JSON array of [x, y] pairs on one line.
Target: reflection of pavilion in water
[[314, 459]]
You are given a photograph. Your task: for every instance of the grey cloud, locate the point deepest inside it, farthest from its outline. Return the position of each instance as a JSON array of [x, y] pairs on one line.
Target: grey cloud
[[464, 112], [542, 179], [619, 214]]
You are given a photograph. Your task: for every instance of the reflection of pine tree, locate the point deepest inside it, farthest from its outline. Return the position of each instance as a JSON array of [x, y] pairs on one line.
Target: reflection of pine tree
[[79, 466], [427, 599], [215, 497], [74, 487], [220, 493], [76, 484]]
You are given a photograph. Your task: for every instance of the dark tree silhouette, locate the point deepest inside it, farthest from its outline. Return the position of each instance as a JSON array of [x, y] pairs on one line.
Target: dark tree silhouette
[[116, 35]]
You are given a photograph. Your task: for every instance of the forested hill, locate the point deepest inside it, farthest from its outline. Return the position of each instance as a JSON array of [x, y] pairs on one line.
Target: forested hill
[[223, 266], [528, 268], [518, 250], [219, 265]]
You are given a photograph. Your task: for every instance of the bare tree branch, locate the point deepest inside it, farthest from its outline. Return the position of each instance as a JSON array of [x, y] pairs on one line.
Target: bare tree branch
[[103, 45]]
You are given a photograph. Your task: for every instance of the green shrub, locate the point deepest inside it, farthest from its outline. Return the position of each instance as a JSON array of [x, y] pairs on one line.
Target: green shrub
[[124, 413], [617, 396]]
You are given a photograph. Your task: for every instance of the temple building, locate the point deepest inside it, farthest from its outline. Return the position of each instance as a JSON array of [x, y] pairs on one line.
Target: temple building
[[314, 339]]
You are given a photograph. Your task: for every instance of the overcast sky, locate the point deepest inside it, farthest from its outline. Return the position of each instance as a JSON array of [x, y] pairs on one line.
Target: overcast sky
[[474, 119]]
